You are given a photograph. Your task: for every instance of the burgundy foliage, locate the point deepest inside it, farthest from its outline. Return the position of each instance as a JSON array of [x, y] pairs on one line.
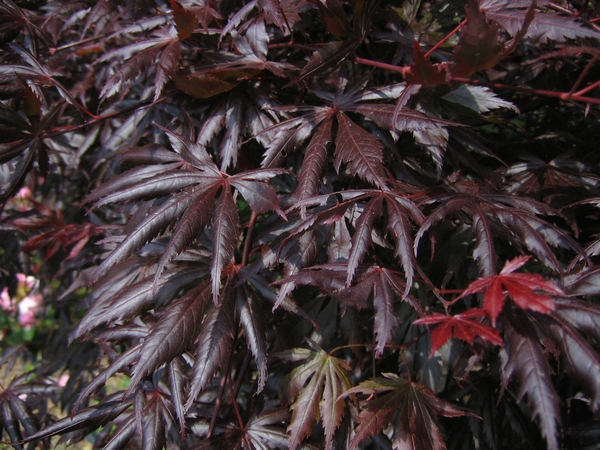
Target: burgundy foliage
[[301, 223]]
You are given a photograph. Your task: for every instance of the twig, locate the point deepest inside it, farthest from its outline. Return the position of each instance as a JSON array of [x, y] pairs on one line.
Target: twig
[[448, 36]]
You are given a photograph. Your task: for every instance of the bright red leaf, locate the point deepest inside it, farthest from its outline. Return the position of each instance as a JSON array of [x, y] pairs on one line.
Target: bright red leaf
[[461, 326], [524, 289]]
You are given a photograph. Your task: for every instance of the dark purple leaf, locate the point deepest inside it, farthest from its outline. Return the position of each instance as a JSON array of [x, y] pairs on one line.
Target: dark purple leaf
[[261, 197], [193, 221], [122, 361], [253, 323], [133, 299], [177, 384], [360, 150], [122, 434], [92, 417], [130, 71], [167, 65], [153, 424], [578, 356], [527, 360], [361, 240], [213, 344], [328, 56], [315, 161], [225, 237], [512, 16], [174, 332]]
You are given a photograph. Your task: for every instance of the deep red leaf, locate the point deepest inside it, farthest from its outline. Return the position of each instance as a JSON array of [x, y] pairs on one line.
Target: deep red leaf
[[185, 20], [479, 47], [421, 71], [360, 150]]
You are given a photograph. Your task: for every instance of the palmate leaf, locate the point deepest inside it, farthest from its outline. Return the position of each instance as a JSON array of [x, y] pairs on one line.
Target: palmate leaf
[[490, 209], [382, 283], [526, 358], [263, 432], [153, 417], [18, 400], [194, 202], [415, 426], [400, 211], [327, 380], [558, 182], [462, 326], [526, 290]]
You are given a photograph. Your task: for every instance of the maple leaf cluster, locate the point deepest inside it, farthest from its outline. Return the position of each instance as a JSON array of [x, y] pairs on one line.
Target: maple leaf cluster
[[301, 223]]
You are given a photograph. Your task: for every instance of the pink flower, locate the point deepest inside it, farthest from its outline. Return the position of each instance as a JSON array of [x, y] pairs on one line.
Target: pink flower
[[26, 302], [6, 303], [28, 308]]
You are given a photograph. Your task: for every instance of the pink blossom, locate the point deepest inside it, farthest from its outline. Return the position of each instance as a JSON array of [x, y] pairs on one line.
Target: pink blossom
[[63, 380], [6, 302], [28, 308], [26, 281]]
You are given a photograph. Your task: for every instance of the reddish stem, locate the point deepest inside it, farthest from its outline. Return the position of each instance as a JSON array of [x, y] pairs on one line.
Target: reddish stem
[[448, 36], [587, 89], [381, 65], [238, 416], [582, 76], [560, 95]]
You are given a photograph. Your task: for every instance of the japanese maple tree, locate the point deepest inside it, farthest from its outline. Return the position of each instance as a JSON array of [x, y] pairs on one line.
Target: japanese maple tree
[[311, 224]]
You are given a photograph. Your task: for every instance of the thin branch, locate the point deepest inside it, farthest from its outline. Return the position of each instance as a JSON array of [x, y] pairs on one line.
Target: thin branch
[[381, 65], [448, 36], [582, 76], [238, 416]]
